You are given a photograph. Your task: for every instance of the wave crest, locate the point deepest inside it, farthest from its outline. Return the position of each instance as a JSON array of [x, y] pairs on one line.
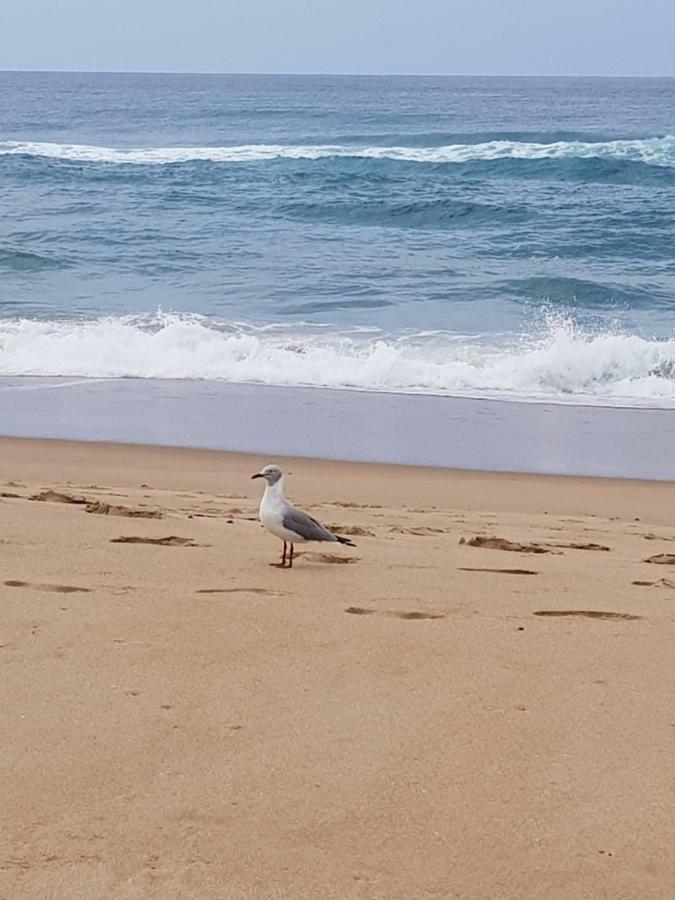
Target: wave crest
[[561, 364], [656, 151]]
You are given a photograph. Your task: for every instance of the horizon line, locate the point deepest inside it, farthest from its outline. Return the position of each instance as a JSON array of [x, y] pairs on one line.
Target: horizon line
[[318, 74]]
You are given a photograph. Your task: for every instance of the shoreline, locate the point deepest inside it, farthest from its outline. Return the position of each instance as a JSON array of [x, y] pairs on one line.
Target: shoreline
[[125, 465], [357, 426]]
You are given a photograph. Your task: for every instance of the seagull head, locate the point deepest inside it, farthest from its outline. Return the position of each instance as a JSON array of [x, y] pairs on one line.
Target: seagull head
[[271, 474]]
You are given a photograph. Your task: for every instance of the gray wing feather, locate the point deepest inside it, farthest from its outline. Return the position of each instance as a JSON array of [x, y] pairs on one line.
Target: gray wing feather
[[305, 526]]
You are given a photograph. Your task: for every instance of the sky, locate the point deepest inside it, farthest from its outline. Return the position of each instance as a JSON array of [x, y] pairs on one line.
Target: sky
[[492, 37]]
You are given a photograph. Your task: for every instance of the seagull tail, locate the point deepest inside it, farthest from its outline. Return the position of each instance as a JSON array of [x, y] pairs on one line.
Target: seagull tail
[[344, 540]]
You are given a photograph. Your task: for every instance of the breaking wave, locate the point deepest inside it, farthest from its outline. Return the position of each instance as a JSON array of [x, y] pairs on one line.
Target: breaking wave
[[561, 363], [656, 151]]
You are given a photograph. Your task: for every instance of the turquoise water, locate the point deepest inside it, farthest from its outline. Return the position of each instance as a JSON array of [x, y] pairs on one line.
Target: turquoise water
[[508, 238]]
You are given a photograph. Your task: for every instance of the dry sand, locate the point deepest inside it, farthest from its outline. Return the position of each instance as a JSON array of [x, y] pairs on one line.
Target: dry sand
[[417, 717]]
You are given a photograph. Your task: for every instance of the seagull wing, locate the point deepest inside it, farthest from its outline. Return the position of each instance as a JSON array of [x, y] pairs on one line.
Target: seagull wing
[[305, 526]]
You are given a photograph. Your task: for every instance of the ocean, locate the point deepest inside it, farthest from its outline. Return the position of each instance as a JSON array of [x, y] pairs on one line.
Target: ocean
[[506, 238]]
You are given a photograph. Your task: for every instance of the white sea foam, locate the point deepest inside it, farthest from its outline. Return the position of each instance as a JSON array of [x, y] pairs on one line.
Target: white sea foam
[[560, 364], [657, 151]]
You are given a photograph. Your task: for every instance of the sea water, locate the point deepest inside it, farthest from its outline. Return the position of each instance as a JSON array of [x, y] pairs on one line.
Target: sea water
[[504, 238]]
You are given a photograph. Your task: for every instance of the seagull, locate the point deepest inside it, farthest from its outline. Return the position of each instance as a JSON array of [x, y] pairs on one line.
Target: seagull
[[285, 521]]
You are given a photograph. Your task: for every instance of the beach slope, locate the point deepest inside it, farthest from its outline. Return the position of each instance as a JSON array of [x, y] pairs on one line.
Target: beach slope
[[475, 701]]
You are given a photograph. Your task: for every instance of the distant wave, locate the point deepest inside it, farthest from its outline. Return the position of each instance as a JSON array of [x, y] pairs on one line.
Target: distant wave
[[417, 213], [561, 363], [656, 151], [24, 261]]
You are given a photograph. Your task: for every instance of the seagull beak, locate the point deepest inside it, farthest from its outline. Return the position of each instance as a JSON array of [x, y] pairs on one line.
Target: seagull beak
[[257, 475]]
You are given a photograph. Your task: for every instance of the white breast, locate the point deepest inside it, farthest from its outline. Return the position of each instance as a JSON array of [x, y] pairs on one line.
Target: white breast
[[272, 508]]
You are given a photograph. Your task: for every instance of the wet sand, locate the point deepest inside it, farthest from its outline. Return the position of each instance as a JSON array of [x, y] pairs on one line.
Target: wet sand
[[475, 701], [418, 430]]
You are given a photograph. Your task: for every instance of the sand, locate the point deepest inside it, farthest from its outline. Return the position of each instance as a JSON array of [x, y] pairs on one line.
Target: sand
[[468, 704]]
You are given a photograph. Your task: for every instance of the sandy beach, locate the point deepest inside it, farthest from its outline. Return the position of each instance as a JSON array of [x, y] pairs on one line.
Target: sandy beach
[[475, 702]]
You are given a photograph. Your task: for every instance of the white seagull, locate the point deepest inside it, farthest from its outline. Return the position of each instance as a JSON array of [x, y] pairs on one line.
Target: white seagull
[[285, 521]]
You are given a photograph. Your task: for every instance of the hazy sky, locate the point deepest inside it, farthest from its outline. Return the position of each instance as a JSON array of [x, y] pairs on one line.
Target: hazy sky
[[610, 37]]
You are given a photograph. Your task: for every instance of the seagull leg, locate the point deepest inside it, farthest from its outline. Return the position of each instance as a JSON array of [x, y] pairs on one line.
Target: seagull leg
[[282, 563], [290, 558]]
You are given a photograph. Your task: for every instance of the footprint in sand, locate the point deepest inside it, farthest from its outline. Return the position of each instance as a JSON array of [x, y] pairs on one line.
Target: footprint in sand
[[217, 512], [54, 588], [242, 590], [581, 545], [587, 613], [408, 615], [498, 571], [356, 505], [171, 541], [351, 530], [662, 559], [57, 497], [413, 615], [420, 530], [107, 509], [328, 558], [497, 543], [661, 582], [95, 506]]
